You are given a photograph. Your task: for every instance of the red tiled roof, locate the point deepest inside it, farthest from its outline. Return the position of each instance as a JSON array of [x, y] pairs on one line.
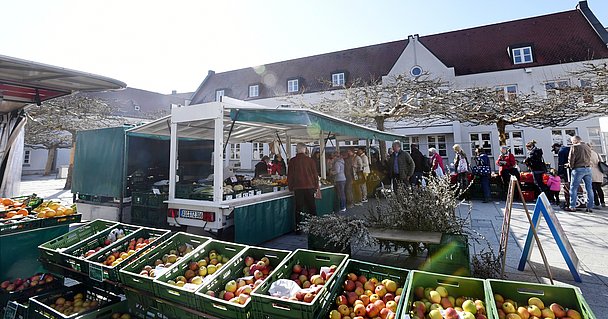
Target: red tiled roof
[[555, 38]]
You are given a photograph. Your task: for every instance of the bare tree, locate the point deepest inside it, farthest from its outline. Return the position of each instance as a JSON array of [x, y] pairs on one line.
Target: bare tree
[[57, 121]]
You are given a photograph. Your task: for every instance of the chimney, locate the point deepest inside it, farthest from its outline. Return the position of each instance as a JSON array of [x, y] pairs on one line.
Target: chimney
[[173, 92]]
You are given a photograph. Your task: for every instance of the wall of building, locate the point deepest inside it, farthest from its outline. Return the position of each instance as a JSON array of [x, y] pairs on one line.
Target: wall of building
[[36, 161]]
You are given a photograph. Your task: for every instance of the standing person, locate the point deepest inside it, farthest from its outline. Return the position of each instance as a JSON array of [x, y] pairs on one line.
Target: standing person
[[278, 165], [350, 177], [483, 160], [506, 166], [365, 170], [461, 164], [303, 180], [537, 166], [357, 176], [261, 168], [554, 184], [563, 152], [579, 161], [316, 155], [421, 165], [437, 167], [597, 178], [401, 166], [337, 172]]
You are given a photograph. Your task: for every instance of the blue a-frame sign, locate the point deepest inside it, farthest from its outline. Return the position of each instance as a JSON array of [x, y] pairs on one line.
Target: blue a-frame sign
[[544, 207]]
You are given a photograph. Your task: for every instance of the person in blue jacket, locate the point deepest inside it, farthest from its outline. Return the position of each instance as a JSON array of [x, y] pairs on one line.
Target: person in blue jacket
[[482, 159]]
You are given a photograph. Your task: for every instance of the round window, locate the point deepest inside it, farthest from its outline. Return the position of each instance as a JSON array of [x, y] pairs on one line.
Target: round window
[[416, 71]]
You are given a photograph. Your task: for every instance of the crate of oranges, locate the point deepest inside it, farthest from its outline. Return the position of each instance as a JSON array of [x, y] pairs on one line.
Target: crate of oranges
[[29, 212], [53, 213]]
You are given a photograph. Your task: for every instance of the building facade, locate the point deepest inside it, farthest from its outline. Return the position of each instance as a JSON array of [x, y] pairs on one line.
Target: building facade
[[532, 55]]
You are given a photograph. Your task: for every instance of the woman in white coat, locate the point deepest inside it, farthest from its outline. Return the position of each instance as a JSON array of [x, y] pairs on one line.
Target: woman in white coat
[[597, 178]]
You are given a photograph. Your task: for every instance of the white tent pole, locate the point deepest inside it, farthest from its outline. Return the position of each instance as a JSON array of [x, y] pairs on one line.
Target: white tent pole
[[173, 161], [218, 167], [323, 171]]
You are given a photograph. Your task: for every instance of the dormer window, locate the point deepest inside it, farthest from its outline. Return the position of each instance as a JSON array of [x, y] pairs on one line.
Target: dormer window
[[254, 90], [338, 79], [522, 55], [293, 86], [218, 95]]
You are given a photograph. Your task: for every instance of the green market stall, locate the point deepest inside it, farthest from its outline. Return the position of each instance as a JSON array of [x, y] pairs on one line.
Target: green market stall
[[254, 216]]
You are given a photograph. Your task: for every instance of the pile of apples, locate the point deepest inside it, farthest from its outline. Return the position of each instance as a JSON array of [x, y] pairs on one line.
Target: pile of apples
[[363, 298], [311, 280], [167, 260], [198, 270], [117, 256], [77, 305], [508, 309], [437, 304], [118, 315], [20, 284], [239, 291], [114, 235]]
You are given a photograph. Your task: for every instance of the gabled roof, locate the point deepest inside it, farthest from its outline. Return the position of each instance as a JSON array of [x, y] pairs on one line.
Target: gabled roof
[[570, 36]]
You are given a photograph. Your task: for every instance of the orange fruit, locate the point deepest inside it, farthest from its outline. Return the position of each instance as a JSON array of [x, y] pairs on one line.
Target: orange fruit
[[11, 214], [41, 215], [7, 202], [23, 212], [50, 213], [17, 204]]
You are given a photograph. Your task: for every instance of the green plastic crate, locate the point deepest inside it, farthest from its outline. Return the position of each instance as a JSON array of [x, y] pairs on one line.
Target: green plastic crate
[[520, 292], [150, 217], [450, 257], [266, 306], [50, 250], [142, 306], [49, 222], [456, 287], [39, 305], [25, 294], [369, 270], [15, 310], [20, 226], [73, 256], [222, 308], [129, 275], [175, 312], [183, 296], [111, 272]]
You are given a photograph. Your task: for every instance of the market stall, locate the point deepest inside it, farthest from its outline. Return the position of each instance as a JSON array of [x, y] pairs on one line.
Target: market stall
[[217, 199]]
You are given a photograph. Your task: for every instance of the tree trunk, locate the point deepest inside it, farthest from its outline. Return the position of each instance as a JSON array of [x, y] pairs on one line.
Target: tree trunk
[[501, 125], [50, 160], [68, 181], [382, 144]]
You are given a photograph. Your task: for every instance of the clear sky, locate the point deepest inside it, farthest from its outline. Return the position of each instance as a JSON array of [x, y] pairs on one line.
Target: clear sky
[[169, 45]]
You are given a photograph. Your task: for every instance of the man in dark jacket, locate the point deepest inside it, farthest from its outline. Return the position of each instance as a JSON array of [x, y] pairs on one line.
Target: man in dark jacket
[[421, 165], [261, 168], [303, 180], [401, 165]]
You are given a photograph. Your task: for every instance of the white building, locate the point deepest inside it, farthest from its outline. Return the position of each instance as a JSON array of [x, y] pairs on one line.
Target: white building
[[522, 56]]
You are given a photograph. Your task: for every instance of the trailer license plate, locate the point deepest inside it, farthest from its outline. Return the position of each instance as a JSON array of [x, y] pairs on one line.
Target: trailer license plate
[[192, 214]]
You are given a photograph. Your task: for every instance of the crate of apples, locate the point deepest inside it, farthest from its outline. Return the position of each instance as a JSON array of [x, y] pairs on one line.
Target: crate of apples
[[228, 295], [20, 289], [518, 300], [71, 301]]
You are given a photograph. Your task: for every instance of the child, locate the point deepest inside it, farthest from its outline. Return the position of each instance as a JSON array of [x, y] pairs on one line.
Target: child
[[554, 185]]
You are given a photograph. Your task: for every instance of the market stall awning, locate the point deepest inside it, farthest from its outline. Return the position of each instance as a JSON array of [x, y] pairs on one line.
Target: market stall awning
[[247, 122], [25, 82]]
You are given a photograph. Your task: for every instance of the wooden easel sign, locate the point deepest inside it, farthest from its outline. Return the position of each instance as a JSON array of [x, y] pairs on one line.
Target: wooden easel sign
[[544, 207]]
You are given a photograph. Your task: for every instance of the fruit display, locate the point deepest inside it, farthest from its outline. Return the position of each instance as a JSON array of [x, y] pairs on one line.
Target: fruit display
[[239, 290], [310, 280], [77, 304], [436, 303], [71, 302], [49, 209], [533, 308], [119, 254], [166, 260], [114, 235], [367, 298], [118, 315], [20, 284], [197, 271]]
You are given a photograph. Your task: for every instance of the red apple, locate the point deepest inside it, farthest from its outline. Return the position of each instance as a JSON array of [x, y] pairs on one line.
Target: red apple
[[372, 310], [297, 269], [349, 285], [341, 300], [300, 295], [351, 297], [308, 297], [228, 295], [362, 279]]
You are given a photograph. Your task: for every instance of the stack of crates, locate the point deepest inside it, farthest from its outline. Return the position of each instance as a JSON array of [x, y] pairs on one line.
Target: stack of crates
[[148, 209]]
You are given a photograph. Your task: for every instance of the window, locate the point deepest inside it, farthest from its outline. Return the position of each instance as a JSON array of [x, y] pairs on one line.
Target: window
[[416, 71], [595, 139], [515, 141], [562, 136], [438, 142], [408, 141], [136, 107], [254, 90], [26, 157], [552, 88], [235, 151], [482, 140], [258, 150], [522, 55], [338, 79], [293, 86], [507, 92], [218, 95]]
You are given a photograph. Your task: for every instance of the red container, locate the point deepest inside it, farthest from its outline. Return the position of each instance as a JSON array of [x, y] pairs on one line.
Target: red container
[[526, 177], [529, 196]]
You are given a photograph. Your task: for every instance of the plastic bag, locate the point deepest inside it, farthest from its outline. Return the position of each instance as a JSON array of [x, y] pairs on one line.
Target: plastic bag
[[283, 288]]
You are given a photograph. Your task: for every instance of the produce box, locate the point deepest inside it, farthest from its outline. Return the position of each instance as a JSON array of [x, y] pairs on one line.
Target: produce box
[[521, 292], [450, 257], [15, 309], [266, 306], [101, 268], [164, 287], [368, 271], [456, 287], [130, 274], [40, 306], [37, 284], [15, 225], [176, 311], [142, 306], [150, 217], [50, 250], [69, 219], [234, 271], [77, 255]]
